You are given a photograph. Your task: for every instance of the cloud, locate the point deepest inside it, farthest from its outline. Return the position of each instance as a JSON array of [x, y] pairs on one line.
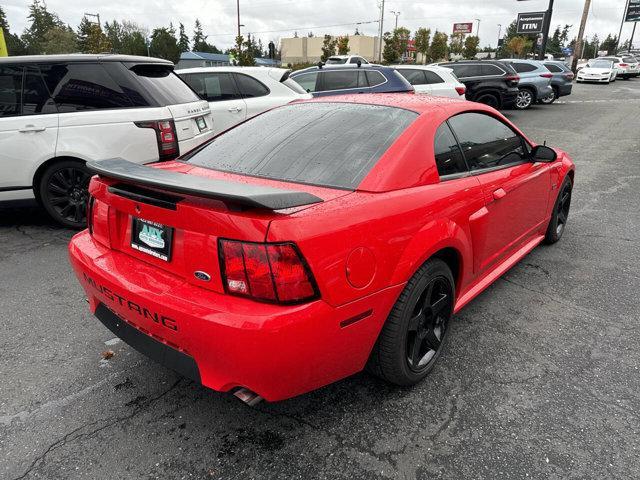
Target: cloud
[[274, 19]]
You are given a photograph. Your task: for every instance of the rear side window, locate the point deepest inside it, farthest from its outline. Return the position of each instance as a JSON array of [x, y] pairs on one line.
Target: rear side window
[[491, 70], [487, 142], [10, 90], [433, 77], [164, 85], [250, 87], [449, 159], [307, 81], [629, 60], [213, 87], [83, 86], [524, 67], [342, 80], [326, 144], [553, 68], [414, 77], [35, 97], [465, 71], [375, 78]]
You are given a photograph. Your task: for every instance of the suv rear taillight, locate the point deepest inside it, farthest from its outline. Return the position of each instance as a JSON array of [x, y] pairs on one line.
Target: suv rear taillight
[[546, 75], [461, 90], [624, 65], [512, 79], [568, 75], [268, 272], [166, 136]]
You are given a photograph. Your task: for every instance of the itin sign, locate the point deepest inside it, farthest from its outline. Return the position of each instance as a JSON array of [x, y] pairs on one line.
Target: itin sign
[[462, 27], [530, 22], [633, 11]]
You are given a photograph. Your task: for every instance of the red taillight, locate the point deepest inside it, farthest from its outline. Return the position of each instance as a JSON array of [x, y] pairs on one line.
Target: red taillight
[[568, 76], [512, 78], [269, 272], [461, 90], [166, 136], [546, 75], [624, 65]]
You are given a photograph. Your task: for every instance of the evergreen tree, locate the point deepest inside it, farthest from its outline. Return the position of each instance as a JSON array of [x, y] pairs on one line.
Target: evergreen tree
[[164, 44], [199, 43], [59, 40], [329, 45], [471, 44], [343, 45], [183, 40], [15, 46], [91, 38], [422, 38], [609, 45], [438, 50], [456, 43], [127, 38], [41, 22]]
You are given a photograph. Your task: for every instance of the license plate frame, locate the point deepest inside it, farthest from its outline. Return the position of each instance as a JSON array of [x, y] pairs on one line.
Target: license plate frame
[[155, 240]]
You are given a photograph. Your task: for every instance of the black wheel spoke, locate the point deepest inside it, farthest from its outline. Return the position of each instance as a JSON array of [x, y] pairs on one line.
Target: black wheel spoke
[[414, 322], [562, 217], [432, 340], [439, 305], [415, 351]]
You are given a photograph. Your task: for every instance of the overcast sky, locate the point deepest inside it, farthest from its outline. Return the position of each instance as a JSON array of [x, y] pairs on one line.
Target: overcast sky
[[274, 19]]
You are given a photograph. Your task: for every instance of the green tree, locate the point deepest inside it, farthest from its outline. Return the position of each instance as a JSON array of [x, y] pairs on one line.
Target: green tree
[[127, 38], [60, 40], [243, 52], [471, 44], [91, 38], [610, 43], [422, 38], [183, 39], [554, 44], [41, 22], [329, 45], [15, 46], [395, 44], [343, 45], [519, 46], [456, 43], [164, 44], [438, 50]]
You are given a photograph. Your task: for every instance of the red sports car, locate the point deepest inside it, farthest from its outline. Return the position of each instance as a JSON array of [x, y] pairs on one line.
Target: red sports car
[[317, 239]]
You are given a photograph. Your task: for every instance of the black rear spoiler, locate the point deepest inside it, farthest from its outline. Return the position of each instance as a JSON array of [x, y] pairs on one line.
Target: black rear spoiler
[[256, 196]]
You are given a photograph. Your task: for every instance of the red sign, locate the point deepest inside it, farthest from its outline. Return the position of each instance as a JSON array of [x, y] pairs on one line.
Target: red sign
[[462, 27]]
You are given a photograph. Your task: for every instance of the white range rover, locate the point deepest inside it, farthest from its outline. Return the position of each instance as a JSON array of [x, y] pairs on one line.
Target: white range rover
[[59, 111]]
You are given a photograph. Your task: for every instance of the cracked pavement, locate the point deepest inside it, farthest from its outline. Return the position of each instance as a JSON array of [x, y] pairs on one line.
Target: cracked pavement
[[539, 378]]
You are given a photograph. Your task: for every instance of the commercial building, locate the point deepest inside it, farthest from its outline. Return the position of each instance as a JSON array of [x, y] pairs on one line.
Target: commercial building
[[309, 49]]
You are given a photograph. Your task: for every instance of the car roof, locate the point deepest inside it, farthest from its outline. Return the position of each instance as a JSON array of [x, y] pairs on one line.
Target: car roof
[[423, 67], [83, 57], [329, 68], [407, 101], [232, 69]]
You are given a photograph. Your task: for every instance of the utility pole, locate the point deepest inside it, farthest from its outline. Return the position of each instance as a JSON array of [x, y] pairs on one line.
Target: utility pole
[[624, 16], [633, 34], [381, 31], [238, 38], [583, 23], [96, 15], [397, 14]]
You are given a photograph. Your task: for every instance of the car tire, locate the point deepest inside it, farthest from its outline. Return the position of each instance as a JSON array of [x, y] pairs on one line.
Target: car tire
[[525, 99], [489, 99], [549, 99], [415, 332], [560, 214], [63, 192]]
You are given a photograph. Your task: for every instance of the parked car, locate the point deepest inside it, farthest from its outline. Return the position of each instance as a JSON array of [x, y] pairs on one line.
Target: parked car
[[323, 81], [561, 83], [346, 60], [432, 80], [320, 237], [493, 83], [601, 71], [237, 93], [535, 81], [59, 111], [626, 66]]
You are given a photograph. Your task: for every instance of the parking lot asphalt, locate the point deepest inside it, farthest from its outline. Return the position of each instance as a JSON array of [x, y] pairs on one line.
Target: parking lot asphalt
[[540, 378]]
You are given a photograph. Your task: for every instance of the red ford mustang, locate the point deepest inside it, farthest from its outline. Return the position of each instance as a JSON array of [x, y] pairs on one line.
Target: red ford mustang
[[317, 239]]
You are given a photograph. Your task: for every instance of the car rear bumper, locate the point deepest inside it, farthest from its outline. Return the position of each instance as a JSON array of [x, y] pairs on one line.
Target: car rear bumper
[[223, 341], [565, 89], [509, 98]]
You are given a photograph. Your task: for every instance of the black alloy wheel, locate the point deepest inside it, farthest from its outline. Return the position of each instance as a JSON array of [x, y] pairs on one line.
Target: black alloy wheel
[[414, 335], [429, 324], [560, 216], [64, 192]]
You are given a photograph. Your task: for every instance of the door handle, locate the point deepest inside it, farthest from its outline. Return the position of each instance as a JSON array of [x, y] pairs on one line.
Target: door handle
[[235, 109], [32, 128], [499, 193]]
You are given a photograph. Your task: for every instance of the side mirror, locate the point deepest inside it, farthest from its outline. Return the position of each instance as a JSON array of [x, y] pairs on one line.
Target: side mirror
[[542, 153]]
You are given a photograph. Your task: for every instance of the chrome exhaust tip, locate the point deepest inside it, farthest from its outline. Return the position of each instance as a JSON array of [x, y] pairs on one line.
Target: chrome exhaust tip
[[247, 396]]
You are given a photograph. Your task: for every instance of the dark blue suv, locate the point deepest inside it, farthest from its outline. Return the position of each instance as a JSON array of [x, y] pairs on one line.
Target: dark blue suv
[[322, 81]]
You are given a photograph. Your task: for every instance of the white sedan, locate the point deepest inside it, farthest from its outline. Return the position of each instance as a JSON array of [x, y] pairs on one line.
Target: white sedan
[[601, 71], [238, 93], [432, 80]]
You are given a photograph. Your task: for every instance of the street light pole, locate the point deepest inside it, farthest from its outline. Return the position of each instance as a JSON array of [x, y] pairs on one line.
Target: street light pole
[[545, 30], [381, 31], [478, 30], [397, 14], [624, 15]]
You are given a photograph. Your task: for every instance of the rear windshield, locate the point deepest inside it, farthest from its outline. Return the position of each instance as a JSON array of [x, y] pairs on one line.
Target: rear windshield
[[164, 85], [336, 61], [326, 144]]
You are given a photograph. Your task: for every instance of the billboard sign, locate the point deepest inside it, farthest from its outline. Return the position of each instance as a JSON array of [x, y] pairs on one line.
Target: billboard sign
[[633, 11], [530, 22], [462, 27]]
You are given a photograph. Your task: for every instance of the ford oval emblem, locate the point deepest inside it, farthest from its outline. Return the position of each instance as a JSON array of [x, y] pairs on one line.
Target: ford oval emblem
[[200, 275]]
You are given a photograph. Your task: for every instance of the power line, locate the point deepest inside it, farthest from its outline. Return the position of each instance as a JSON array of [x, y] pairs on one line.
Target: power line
[[299, 28]]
